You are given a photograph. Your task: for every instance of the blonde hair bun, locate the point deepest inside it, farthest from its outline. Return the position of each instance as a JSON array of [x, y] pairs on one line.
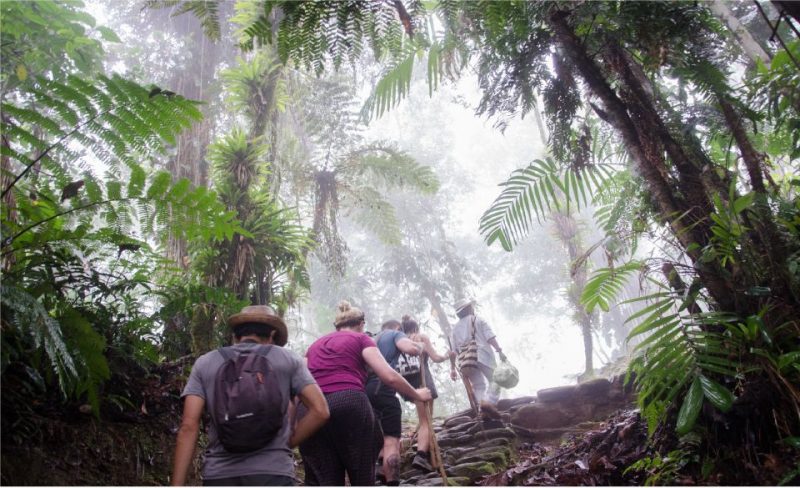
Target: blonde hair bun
[[347, 315]]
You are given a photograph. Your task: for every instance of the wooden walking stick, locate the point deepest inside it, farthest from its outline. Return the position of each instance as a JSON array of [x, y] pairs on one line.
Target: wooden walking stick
[[473, 403], [436, 456]]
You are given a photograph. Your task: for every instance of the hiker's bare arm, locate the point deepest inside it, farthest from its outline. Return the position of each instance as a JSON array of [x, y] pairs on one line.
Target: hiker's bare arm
[[317, 415], [408, 346], [496, 346], [435, 356], [187, 438], [392, 378]]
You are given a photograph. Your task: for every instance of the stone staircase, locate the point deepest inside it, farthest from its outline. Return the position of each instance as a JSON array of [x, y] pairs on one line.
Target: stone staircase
[[474, 448]]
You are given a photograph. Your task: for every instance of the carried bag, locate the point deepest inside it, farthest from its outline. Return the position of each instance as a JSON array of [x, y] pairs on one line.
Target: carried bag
[[506, 375], [407, 365], [468, 355], [249, 408]]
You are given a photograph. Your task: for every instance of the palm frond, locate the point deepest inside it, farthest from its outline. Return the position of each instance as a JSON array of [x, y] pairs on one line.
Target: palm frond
[[605, 284], [677, 358], [531, 193]]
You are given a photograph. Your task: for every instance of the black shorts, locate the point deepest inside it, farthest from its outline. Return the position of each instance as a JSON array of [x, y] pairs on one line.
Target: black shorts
[[416, 382], [387, 408]]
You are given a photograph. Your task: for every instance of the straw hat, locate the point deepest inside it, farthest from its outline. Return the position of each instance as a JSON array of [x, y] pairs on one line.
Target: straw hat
[[463, 303], [261, 314]]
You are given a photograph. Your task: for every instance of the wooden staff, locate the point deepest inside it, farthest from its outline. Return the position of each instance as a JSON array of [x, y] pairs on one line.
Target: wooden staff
[[473, 403], [436, 455]]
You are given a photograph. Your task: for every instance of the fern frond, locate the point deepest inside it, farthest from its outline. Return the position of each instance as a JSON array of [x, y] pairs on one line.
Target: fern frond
[[677, 351], [605, 284], [387, 166], [376, 214], [393, 87], [531, 193], [31, 318]]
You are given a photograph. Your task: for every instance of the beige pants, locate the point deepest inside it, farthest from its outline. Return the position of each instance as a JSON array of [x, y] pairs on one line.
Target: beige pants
[[480, 378]]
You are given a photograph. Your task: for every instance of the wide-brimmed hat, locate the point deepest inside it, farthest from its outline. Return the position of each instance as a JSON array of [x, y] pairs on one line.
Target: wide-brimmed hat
[[463, 303], [261, 314]]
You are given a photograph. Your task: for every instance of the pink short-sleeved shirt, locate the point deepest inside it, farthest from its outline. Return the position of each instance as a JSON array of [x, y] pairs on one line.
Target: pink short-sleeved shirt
[[336, 362]]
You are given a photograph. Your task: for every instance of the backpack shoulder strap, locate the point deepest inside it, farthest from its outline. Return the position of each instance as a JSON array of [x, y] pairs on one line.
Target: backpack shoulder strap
[[472, 326], [264, 349], [226, 352]]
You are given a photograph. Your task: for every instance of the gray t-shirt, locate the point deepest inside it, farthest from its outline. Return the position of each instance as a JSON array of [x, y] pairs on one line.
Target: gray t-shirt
[[275, 458], [462, 334]]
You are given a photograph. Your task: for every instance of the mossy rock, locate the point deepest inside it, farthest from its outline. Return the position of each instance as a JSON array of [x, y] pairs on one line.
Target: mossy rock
[[472, 471], [499, 456], [453, 454]]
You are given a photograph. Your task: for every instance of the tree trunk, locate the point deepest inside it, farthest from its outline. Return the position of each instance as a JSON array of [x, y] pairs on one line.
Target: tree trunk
[[749, 45], [196, 82], [646, 139]]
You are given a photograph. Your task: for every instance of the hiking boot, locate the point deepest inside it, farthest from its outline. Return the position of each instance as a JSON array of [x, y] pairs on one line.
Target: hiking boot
[[422, 462]]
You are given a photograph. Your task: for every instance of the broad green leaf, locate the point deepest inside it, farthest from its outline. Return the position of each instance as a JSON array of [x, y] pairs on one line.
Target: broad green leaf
[[687, 416], [718, 395]]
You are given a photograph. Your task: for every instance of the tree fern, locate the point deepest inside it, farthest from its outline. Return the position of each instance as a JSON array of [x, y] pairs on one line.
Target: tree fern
[[530, 193], [387, 166], [373, 212]]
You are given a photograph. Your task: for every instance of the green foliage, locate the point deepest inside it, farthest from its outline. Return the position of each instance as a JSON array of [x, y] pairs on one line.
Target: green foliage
[[114, 118], [661, 470], [206, 12], [531, 193], [318, 32], [47, 39], [75, 304], [676, 350], [605, 284]]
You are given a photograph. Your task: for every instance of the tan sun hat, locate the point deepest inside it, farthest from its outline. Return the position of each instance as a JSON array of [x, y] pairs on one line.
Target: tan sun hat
[[463, 303], [261, 314]]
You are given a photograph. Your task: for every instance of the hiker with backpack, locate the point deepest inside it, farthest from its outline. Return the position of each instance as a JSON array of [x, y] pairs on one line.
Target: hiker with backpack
[[472, 341], [349, 442], [246, 388], [422, 459], [395, 348]]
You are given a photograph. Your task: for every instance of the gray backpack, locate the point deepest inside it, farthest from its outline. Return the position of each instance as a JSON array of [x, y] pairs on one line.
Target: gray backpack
[[249, 407]]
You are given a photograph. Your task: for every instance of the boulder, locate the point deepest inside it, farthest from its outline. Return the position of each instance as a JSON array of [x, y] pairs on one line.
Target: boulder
[[458, 419], [508, 403], [595, 389], [558, 394], [540, 416], [473, 471]]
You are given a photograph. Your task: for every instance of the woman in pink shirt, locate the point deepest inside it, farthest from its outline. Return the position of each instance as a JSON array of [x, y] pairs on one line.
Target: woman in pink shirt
[[349, 442]]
